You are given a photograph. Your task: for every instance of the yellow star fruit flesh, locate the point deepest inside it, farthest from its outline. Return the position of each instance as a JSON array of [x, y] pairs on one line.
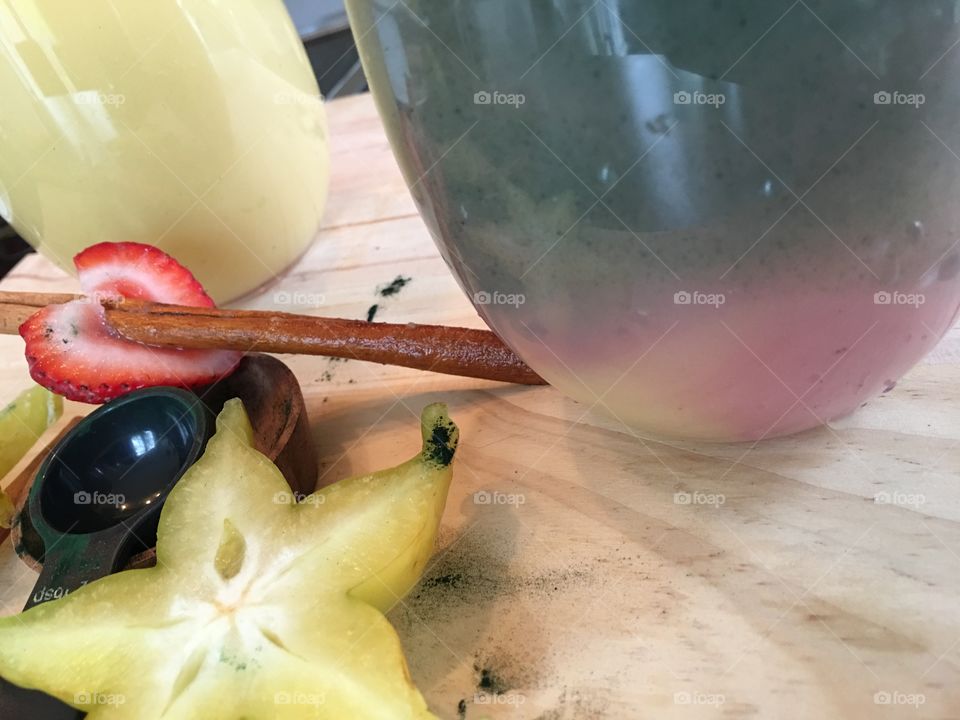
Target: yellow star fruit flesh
[[23, 421], [259, 607], [7, 510]]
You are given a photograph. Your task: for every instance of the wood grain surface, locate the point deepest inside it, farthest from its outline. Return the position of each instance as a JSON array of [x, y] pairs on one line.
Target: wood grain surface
[[815, 576]]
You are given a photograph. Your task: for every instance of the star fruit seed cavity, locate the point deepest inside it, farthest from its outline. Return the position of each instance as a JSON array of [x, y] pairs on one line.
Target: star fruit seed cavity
[[258, 607]]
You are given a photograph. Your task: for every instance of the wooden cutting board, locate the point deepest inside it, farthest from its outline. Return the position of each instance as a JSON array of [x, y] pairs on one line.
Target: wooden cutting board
[[572, 580]]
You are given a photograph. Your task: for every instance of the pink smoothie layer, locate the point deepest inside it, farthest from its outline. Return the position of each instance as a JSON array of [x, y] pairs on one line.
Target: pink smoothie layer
[[767, 363]]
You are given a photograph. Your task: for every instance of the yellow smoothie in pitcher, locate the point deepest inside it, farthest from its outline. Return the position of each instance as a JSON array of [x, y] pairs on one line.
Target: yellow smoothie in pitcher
[[193, 125]]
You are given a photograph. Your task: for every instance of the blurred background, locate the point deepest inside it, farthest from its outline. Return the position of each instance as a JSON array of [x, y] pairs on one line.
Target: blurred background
[[325, 33]]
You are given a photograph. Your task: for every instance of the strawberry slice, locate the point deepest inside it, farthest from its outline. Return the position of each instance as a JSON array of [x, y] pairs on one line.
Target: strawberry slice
[[139, 272], [74, 352]]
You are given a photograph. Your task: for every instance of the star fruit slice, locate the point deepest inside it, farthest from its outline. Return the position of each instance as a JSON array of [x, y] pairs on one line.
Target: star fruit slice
[[7, 510], [258, 607], [23, 421]]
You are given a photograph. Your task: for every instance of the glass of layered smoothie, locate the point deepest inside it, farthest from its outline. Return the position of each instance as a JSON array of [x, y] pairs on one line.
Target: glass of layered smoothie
[[192, 125], [725, 221]]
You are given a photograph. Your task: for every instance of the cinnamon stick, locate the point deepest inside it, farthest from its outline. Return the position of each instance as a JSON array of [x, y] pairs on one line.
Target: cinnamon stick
[[449, 350]]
